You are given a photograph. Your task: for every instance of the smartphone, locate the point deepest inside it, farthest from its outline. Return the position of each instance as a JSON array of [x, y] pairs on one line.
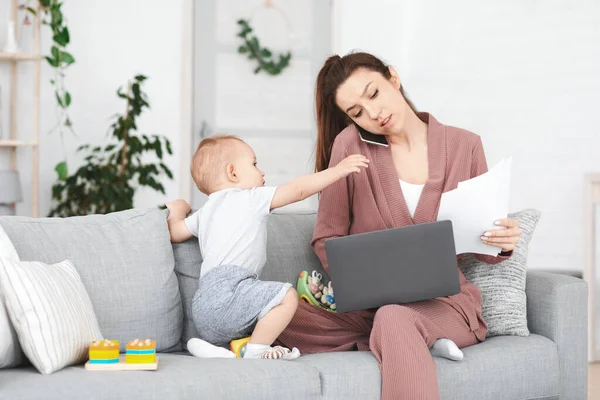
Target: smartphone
[[372, 138]]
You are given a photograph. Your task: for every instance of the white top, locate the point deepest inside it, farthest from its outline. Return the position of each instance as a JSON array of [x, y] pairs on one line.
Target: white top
[[232, 228], [412, 194]]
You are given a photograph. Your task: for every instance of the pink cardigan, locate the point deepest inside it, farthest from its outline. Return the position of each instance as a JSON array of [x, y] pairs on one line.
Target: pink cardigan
[[373, 199]]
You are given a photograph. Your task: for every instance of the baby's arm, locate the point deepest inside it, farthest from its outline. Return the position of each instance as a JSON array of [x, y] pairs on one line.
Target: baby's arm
[[178, 210], [307, 185]]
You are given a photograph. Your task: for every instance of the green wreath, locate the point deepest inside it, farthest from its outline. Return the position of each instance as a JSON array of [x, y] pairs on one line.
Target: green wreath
[[265, 58]]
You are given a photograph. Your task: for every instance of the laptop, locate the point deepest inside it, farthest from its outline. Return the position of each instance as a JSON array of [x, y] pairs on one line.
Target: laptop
[[393, 266]]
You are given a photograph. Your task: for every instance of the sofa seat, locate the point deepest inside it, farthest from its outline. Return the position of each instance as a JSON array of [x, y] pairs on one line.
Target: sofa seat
[[178, 377], [503, 367], [500, 368]]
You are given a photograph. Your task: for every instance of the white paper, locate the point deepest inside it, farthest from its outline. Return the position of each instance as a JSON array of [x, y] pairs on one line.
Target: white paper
[[475, 205]]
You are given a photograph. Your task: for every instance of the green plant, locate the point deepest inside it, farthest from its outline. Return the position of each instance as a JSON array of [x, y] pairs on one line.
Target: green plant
[[264, 56], [59, 59], [110, 175]]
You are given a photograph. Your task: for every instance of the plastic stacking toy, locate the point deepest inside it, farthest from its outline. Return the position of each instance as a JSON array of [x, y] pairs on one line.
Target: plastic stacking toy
[[140, 356], [239, 346], [104, 352]]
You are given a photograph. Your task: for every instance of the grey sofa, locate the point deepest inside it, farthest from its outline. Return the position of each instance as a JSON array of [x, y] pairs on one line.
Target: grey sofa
[[549, 364]]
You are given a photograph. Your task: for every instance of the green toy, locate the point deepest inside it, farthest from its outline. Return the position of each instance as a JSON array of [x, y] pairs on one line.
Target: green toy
[[312, 291]]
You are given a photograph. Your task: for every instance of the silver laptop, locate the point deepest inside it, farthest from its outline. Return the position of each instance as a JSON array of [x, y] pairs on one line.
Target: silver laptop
[[393, 266]]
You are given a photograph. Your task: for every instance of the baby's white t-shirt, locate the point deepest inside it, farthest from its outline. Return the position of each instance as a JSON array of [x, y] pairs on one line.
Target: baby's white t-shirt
[[232, 228]]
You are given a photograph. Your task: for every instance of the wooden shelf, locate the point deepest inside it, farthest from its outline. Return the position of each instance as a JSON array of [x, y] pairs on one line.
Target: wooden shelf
[[18, 143], [12, 142], [18, 57]]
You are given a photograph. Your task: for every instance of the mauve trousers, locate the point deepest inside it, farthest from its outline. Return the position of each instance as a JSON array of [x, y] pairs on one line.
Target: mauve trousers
[[398, 335]]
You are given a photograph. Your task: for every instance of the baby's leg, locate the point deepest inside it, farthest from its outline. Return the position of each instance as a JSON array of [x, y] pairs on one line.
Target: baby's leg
[[203, 349], [269, 327]]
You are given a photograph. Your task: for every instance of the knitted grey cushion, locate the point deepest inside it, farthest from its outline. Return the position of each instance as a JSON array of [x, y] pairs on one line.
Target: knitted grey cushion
[[503, 285]]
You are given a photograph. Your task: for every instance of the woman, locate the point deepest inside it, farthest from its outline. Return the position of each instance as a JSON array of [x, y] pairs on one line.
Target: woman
[[402, 186]]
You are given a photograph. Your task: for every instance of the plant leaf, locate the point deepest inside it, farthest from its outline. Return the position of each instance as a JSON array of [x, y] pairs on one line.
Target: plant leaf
[[62, 171], [166, 170], [67, 58], [62, 37], [53, 62], [59, 100], [56, 16], [67, 99]]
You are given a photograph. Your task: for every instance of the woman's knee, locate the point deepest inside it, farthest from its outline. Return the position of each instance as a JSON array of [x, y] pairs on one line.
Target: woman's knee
[[395, 314]]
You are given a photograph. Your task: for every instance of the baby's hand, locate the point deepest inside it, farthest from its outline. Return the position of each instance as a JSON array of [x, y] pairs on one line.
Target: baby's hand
[[352, 164], [180, 207]]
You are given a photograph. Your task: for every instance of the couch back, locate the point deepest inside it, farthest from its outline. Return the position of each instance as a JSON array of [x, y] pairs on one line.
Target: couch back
[[126, 263], [288, 254], [141, 285]]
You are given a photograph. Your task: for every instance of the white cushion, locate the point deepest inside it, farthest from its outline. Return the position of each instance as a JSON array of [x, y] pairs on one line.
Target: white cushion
[[10, 351], [51, 312]]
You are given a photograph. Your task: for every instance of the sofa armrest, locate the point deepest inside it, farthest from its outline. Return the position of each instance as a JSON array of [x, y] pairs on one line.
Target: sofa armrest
[[557, 308]]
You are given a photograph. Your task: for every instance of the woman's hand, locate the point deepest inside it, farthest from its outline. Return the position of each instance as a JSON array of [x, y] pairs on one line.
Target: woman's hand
[[505, 237]]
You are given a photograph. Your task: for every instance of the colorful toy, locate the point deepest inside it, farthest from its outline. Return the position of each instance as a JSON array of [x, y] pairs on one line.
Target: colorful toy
[[328, 298], [140, 355], [140, 352], [239, 346], [312, 291], [104, 352]]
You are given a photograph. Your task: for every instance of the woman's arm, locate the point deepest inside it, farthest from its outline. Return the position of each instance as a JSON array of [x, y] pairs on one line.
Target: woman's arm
[[333, 217], [478, 167]]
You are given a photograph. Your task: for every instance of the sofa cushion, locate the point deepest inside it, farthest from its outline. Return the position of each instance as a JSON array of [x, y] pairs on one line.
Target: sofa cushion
[[125, 261], [502, 285], [288, 254], [503, 367], [498, 368], [288, 247], [178, 377], [50, 310], [10, 350], [187, 265], [347, 375]]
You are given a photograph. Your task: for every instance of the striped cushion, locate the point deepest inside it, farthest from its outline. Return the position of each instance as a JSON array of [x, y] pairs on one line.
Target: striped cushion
[[10, 351], [51, 312]]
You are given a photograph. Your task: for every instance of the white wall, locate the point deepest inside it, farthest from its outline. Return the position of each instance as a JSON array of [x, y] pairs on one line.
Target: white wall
[[274, 114], [524, 75], [111, 40]]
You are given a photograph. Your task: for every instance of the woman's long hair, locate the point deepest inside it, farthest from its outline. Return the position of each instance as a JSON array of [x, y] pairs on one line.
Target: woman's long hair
[[330, 119]]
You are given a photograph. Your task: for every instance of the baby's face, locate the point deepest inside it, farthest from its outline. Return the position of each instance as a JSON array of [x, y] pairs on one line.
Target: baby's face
[[246, 168]]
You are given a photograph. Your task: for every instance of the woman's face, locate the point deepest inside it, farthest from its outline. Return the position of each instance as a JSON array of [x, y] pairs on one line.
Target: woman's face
[[372, 101]]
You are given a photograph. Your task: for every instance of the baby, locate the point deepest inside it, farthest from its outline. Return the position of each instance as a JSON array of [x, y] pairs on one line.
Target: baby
[[231, 302]]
